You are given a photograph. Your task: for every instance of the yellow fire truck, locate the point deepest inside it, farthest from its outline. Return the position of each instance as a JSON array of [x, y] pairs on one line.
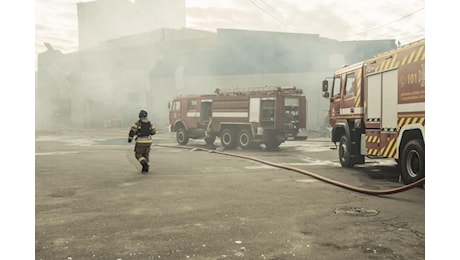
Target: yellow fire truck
[[240, 117], [377, 109]]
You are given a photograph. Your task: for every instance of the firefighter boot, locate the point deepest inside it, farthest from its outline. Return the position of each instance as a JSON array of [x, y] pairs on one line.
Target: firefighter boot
[[145, 167]]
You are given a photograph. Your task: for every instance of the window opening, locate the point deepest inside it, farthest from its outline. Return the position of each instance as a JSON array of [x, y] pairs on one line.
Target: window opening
[[351, 84], [191, 105], [336, 87]]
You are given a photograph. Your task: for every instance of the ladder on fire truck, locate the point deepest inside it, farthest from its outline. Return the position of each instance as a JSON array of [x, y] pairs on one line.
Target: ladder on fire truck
[[258, 90]]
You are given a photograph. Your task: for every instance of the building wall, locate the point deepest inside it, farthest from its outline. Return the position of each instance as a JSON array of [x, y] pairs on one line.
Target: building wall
[[116, 79]]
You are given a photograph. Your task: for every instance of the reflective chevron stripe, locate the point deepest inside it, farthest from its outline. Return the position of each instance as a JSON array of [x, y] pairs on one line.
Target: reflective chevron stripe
[[418, 54], [389, 149]]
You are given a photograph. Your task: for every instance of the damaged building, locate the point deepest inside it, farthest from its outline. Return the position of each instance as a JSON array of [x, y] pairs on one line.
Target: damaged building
[[116, 74]]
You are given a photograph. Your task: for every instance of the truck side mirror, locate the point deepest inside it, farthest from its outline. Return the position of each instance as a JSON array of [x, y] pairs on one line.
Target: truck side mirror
[[325, 85], [325, 88]]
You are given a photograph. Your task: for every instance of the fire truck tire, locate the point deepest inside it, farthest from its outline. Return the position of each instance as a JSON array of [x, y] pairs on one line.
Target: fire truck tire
[[210, 140], [181, 136], [244, 138], [344, 153], [413, 162], [228, 138]]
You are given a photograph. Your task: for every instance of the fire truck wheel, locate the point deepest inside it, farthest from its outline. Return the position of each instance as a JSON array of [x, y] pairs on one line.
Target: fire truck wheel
[[244, 138], [181, 136], [413, 162], [344, 153], [227, 138]]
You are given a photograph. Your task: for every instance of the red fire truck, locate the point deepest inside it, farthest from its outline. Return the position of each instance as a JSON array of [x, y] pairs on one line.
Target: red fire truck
[[377, 109], [240, 117]]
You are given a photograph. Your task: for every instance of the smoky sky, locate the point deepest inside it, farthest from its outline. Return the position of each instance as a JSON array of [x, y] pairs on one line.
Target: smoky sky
[[56, 20]]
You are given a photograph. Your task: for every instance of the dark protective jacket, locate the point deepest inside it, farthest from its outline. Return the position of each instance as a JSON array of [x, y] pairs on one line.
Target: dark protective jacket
[[143, 129]]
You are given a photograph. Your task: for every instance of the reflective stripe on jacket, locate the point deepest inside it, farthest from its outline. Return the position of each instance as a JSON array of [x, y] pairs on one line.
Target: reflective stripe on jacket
[[144, 140]]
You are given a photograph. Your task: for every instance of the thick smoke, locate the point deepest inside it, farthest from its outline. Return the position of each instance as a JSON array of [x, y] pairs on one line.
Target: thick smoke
[[118, 72]]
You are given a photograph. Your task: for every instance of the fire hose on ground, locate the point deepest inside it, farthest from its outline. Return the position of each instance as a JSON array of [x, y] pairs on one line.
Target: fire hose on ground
[[316, 176]]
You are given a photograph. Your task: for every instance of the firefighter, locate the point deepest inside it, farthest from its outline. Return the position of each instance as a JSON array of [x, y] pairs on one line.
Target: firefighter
[[143, 129]]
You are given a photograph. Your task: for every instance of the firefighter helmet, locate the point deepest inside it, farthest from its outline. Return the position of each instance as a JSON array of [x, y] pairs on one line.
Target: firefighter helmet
[[143, 113]]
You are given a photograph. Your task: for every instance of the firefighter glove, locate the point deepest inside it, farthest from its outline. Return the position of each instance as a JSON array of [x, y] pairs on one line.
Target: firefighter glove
[[129, 140]]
